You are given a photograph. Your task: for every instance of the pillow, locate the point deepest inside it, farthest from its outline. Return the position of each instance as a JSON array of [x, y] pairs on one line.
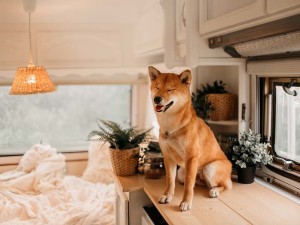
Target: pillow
[[99, 168]]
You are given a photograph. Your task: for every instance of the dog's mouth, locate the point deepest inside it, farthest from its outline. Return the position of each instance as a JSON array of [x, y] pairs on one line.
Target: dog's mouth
[[163, 108]]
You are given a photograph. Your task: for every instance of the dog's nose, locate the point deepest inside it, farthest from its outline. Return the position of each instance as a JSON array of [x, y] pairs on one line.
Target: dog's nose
[[157, 99]]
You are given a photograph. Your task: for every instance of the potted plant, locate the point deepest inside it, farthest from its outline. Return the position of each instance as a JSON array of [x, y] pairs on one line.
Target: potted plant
[[151, 163], [214, 102], [246, 153], [124, 145]]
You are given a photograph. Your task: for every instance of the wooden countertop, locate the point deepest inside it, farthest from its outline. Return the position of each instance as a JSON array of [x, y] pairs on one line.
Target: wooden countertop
[[245, 204], [130, 183]]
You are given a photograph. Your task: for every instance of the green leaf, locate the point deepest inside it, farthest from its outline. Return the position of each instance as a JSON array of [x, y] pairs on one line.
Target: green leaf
[[118, 137]]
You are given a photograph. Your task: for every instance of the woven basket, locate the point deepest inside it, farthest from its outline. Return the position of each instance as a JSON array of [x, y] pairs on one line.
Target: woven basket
[[124, 162], [224, 106]]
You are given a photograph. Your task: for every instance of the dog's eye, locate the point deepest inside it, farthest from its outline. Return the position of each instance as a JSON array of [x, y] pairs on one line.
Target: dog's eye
[[169, 90], [157, 87]]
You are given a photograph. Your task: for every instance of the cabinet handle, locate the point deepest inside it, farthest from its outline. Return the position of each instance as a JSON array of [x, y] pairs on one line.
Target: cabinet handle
[[183, 12], [244, 111]]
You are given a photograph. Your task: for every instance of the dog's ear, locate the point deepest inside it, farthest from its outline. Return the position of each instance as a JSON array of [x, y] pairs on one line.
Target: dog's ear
[[186, 77], [153, 72]]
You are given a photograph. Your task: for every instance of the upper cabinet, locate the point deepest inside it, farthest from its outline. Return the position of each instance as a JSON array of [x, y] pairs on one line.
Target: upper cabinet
[[149, 30], [182, 43], [174, 32], [224, 16], [189, 24], [275, 6], [217, 15]]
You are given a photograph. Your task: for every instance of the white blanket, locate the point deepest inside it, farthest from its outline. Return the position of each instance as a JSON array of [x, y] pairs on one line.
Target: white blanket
[[38, 192]]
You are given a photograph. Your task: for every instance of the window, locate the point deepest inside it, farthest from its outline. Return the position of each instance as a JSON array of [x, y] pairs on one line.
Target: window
[[62, 119], [279, 111]]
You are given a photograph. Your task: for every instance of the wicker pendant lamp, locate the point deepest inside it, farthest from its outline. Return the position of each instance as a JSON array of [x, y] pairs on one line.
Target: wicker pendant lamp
[[31, 79]]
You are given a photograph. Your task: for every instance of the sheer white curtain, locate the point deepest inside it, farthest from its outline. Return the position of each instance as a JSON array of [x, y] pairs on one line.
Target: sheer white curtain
[[287, 122]]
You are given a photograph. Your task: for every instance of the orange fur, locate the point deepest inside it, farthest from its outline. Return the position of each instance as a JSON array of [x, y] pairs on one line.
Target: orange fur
[[185, 139]]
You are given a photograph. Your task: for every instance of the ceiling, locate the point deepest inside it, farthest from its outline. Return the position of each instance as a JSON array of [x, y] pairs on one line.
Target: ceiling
[[79, 34], [72, 11]]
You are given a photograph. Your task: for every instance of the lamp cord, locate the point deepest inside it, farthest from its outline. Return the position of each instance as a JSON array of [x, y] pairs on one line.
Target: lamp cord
[[30, 47]]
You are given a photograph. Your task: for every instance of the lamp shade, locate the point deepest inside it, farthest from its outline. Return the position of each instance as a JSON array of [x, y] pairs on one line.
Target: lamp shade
[[31, 80]]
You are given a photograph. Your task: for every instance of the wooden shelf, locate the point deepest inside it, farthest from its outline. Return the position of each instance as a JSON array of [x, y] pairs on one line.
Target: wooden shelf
[[130, 183], [245, 204], [224, 122]]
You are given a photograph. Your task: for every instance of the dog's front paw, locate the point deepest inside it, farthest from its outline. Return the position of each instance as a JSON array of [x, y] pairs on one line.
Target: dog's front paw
[[184, 206], [165, 199], [214, 192]]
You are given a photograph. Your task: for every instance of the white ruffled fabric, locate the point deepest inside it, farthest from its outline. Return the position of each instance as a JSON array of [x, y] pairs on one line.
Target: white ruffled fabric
[[38, 192]]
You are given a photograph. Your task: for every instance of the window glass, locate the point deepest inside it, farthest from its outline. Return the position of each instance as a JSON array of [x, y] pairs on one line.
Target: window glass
[[287, 123], [62, 119]]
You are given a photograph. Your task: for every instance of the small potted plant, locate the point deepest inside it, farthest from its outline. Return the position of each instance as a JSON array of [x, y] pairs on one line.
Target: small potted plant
[[124, 145], [246, 153], [214, 102], [152, 162]]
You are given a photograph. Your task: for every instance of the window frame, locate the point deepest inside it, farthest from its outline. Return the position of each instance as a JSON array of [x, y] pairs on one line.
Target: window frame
[[257, 69], [282, 166], [136, 77]]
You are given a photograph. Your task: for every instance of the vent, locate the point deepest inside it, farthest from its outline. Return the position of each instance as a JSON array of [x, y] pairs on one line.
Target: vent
[[285, 43], [276, 39]]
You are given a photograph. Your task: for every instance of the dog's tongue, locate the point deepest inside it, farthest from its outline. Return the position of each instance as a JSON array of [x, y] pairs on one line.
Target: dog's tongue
[[158, 107]]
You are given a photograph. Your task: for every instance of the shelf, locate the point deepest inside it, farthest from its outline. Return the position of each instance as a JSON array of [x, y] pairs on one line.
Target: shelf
[[130, 183], [244, 204], [224, 122]]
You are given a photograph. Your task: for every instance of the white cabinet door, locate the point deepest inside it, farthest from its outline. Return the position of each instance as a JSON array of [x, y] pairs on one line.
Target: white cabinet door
[[122, 204], [149, 30], [174, 32], [274, 6], [217, 15]]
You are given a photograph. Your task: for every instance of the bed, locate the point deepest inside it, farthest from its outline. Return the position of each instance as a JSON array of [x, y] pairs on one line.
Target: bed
[[40, 192]]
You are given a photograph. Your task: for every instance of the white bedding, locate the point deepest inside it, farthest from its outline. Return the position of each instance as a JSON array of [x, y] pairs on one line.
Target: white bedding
[[38, 192]]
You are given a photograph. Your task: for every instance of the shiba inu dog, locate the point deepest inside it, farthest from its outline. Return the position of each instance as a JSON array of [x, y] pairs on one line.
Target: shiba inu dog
[[185, 139]]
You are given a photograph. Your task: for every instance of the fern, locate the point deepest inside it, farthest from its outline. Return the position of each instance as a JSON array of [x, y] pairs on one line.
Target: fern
[[118, 137]]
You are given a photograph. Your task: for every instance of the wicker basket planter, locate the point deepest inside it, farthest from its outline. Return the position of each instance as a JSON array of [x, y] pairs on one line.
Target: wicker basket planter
[[224, 105], [125, 161]]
